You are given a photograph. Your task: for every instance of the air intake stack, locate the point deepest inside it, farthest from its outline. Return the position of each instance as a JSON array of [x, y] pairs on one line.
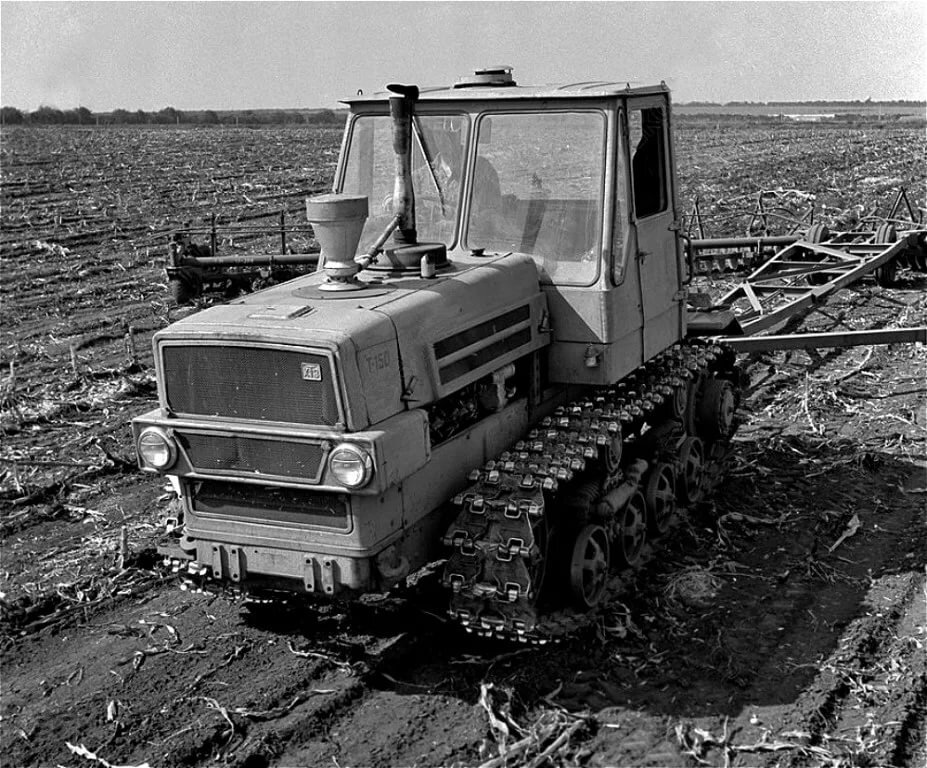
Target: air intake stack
[[338, 221]]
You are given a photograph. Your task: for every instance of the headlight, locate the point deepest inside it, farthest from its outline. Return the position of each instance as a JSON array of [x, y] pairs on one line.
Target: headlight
[[156, 448], [351, 465]]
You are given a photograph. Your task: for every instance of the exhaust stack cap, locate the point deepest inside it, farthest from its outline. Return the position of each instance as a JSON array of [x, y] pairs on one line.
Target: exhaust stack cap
[[338, 221]]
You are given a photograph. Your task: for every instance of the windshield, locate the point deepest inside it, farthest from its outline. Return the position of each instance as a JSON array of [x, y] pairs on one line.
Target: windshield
[[370, 170], [537, 189]]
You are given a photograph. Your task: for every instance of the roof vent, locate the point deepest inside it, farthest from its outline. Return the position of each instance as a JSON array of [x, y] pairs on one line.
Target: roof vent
[[499, 76]]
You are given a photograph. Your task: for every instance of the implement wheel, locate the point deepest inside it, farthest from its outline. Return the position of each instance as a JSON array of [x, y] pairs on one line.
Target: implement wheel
[[692, 470], [885, 275], [185, 286], [660, 495], [817, 233], [589, 566], [918, 254]]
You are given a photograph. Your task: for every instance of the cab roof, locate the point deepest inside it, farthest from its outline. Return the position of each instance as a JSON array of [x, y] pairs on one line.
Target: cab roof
[[497, 84]]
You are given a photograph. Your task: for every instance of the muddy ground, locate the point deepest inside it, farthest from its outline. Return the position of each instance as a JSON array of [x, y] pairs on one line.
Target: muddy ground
[[781, 623]]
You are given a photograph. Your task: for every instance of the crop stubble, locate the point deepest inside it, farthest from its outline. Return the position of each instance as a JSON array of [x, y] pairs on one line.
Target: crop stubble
[[743, 639]]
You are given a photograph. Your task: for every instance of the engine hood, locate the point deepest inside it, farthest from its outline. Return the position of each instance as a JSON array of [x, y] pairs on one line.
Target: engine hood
[[402, 341]]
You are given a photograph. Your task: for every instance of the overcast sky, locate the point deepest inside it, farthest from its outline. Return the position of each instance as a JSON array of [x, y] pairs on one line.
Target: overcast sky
[[220, 55]]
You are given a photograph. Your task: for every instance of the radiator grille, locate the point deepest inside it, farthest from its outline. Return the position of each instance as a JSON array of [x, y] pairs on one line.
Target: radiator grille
[[268, 504], [253, 455], [254, 383]]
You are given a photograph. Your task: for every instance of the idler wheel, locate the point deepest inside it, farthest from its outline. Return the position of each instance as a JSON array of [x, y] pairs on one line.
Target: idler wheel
[[589, 564], [660, 495], [631, 531], [716, 409], [692, 470], [885, 275]]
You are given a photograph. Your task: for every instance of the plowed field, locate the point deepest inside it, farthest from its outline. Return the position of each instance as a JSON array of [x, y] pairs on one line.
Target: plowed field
[[781, 623]]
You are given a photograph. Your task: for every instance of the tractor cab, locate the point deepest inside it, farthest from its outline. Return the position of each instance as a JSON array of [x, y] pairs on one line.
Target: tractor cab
[[578, 177]]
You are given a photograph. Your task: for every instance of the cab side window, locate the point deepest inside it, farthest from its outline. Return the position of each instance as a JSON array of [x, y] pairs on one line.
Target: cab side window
[[647, 142]]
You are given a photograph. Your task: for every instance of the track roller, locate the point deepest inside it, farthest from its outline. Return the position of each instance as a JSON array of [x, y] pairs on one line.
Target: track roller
[[680, 399], [631, 532], [611, 454], [660, 496], [589, 566], [692, 470]]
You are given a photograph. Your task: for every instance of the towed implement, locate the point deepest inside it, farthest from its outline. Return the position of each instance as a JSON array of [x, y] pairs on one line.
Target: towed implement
[[495, 363]]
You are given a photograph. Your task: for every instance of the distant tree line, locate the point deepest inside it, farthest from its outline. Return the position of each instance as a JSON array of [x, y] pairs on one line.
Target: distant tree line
[[818, 103], [169, 116]]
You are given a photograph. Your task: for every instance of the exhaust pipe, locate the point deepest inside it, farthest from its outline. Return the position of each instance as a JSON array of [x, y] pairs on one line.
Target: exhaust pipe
[[401, 105]]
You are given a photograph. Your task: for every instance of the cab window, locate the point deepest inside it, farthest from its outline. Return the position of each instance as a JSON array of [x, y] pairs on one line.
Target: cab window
[[647, 142], [438, 150], [537, 189]]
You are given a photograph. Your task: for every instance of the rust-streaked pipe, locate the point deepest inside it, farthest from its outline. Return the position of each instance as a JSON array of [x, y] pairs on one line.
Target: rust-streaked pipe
[[401, 104]]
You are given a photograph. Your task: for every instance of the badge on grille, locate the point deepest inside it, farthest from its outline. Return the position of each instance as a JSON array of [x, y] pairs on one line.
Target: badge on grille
[[311, 371]]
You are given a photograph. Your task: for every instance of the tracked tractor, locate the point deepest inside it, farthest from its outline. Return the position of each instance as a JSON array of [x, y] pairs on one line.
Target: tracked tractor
[[492, 365]]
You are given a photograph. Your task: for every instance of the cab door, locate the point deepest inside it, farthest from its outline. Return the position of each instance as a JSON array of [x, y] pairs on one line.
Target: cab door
[[653, 218]]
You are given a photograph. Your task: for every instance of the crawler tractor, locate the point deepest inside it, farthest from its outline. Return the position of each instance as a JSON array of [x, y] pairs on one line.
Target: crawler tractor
[[493, 364]]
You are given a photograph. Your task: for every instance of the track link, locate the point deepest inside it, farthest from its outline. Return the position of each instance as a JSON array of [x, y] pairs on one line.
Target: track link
[[511, 528]]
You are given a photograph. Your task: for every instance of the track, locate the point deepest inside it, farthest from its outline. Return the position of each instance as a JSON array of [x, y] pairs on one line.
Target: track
[[602, 474]]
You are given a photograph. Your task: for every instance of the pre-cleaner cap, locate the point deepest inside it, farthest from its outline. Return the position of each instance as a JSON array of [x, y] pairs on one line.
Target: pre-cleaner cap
[[338, 221]]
